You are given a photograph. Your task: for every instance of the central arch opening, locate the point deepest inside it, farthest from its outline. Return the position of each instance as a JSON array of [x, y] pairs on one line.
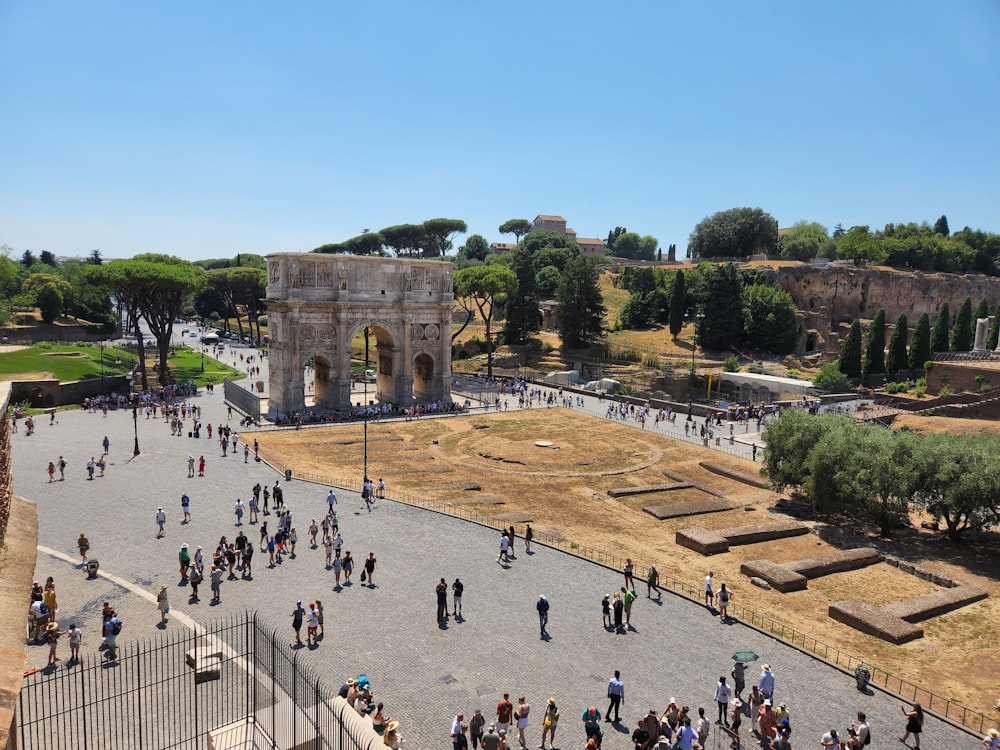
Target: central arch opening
[[373, 367]]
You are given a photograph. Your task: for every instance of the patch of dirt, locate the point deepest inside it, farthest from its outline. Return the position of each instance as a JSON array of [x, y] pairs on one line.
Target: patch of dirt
[[923, 425], [561, 495]]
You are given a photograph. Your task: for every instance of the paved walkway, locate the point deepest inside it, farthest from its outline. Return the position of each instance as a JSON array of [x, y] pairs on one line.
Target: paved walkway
[[424, 672]]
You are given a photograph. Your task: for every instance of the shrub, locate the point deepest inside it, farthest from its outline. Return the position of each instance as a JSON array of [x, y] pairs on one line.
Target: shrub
[[831, 379], [731, 364], [651, 360], [626, 390], [946, 390]]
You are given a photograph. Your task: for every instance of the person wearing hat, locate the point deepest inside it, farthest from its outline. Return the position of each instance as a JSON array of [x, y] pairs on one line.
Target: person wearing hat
[[491, 740], [52, 633], [543, 614], [992, 739], [830, 739], [184, 558], [476, 725], [391, 737], [550, 721], [766, 681], [297, 614], [736, 714], [766, 721], [162, 603]]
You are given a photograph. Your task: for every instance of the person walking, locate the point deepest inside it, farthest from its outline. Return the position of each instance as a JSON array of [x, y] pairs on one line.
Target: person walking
[[52, 472], [914, 724], [161, 519], [184, 559], [238, 510], [190, 465], [504, 547], [738, 673], [201, 466], [370, 564], [186, 508], [653, 583], [616, 696], [724, 596], [61, 465], [297, 614], [331, 500], [722, 695], [529, 534], [107, 445], [542, 605]]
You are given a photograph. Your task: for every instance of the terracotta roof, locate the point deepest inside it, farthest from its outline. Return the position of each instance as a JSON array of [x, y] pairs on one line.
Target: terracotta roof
[[589, 241], [546, 217]]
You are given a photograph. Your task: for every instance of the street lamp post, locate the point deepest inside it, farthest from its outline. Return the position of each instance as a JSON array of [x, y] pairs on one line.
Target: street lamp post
[[102, 369], [364, 414], [694, 348], [135, 426]]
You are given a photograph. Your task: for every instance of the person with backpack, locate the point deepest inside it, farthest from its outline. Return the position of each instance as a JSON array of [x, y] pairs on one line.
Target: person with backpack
[[112, 629], [860, 732]]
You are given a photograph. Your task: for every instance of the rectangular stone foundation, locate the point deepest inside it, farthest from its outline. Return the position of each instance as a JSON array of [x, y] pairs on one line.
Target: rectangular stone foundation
[[937, 603], [781, 577], [836, 562], [626, 491], [874, 621], [688, 508], [764, 532], [702, 541]]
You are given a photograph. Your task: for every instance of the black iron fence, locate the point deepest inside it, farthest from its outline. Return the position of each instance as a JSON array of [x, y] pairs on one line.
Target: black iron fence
[[243, 399], [232, 682]]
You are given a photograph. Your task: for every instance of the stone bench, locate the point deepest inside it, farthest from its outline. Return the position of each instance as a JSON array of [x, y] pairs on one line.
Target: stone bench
[[936, 603], [874, 621]]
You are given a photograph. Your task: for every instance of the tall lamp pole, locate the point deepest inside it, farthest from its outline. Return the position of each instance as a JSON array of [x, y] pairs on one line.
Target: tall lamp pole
[[135, 425], [102, 369], [365, 411], [694, 348]]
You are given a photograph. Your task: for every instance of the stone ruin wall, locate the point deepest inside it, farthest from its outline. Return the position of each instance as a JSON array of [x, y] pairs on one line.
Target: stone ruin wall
[[831, 297]]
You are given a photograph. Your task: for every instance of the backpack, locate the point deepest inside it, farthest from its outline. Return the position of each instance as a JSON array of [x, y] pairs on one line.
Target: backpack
[[868, 737], [43, 609], [116, 626]]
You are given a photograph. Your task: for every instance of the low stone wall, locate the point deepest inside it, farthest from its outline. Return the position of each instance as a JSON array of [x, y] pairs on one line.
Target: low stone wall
[[793, 576], [874, 621], [737, 476], [707, 542], [648, 489], [936, 603], [688, 508]]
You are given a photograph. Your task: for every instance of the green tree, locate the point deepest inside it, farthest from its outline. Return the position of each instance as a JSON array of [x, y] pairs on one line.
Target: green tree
[[962, 333], [804, 241], [476, 248], [613, 236], [720, 302], [896, 359], [874, 361], [849, 362], [516, 227], [438, 236], [522, 316], [547, 282], [994, 337], [859, 244], [403, 239], [790, 440], [678, 304], [939, 336], [48, 259], [735, 233], [672, 253], [958, 476], [28, 259], [480, 287], [920, 344], [49, 300], [982, 309], [941, 226], [579, 317], [831, 379], [769, 318]]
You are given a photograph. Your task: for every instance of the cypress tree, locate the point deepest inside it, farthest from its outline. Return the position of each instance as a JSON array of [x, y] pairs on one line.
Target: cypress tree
[[983, 310], [994, 331], [850, 352], [678, 298], [920, 345], [939, 337], [962, 333], [874, 362], [896, 359]]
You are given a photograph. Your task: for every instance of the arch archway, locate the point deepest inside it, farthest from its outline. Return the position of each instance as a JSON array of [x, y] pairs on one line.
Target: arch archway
[[317, 303]]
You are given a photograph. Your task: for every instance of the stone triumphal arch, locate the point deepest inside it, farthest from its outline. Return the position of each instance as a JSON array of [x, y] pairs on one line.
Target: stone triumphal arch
[[317, 304]]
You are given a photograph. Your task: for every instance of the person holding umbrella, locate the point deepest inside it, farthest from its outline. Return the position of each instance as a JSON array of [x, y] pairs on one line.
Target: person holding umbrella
[[741, 658]]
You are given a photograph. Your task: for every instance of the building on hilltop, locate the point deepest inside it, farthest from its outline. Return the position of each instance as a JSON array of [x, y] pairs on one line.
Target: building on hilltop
[[589, 246]]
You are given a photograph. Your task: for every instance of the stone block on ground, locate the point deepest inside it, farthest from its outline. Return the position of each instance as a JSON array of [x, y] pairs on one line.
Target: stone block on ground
[[647, 489], [875, 621], [697, 485], [737, 476], [702, 540], [514, 517], [688, 508], [781, 577], [836, 562], [470, 499], [936, 603], [192, 655], [763, 532]]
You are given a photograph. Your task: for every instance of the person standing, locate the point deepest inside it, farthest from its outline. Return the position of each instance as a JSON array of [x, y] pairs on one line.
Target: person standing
[[457, 588], [616, 696], [627, 570], [592, 725], [458, 738], [186, 508], [652, 583], [238, 510], [61, 465], [84, 545], [619, 609], [709, 594], [370, 564], [542, 605], [491, 740], [724, 596], [190, 465], [107, 445], [722, 695], [442, 601], [161, 519], [381, 489], [163, 603], [112, 628], [529, 534], [331, 500], [312, 625], [476, 725], [628, 598], [91, 465], [75, 638], [766, 681], [550, 721], [505, 710], [297, 614], [201, 466], [52, 472], [523, 709], [216, 583], [504, 546], [184, 559], [738, 674]]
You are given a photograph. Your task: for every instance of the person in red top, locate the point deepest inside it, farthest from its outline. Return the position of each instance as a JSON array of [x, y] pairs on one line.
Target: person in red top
[[767, 721], [505, 710]]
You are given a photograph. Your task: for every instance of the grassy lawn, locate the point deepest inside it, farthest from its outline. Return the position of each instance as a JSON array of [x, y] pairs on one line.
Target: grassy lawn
[[65, 361], [186, 364]]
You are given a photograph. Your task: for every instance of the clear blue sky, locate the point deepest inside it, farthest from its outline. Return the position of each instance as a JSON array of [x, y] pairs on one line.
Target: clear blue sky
[[211, 128]]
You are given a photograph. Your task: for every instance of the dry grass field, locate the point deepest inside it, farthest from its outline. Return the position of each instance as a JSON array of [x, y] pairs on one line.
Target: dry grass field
[[563, 489]]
